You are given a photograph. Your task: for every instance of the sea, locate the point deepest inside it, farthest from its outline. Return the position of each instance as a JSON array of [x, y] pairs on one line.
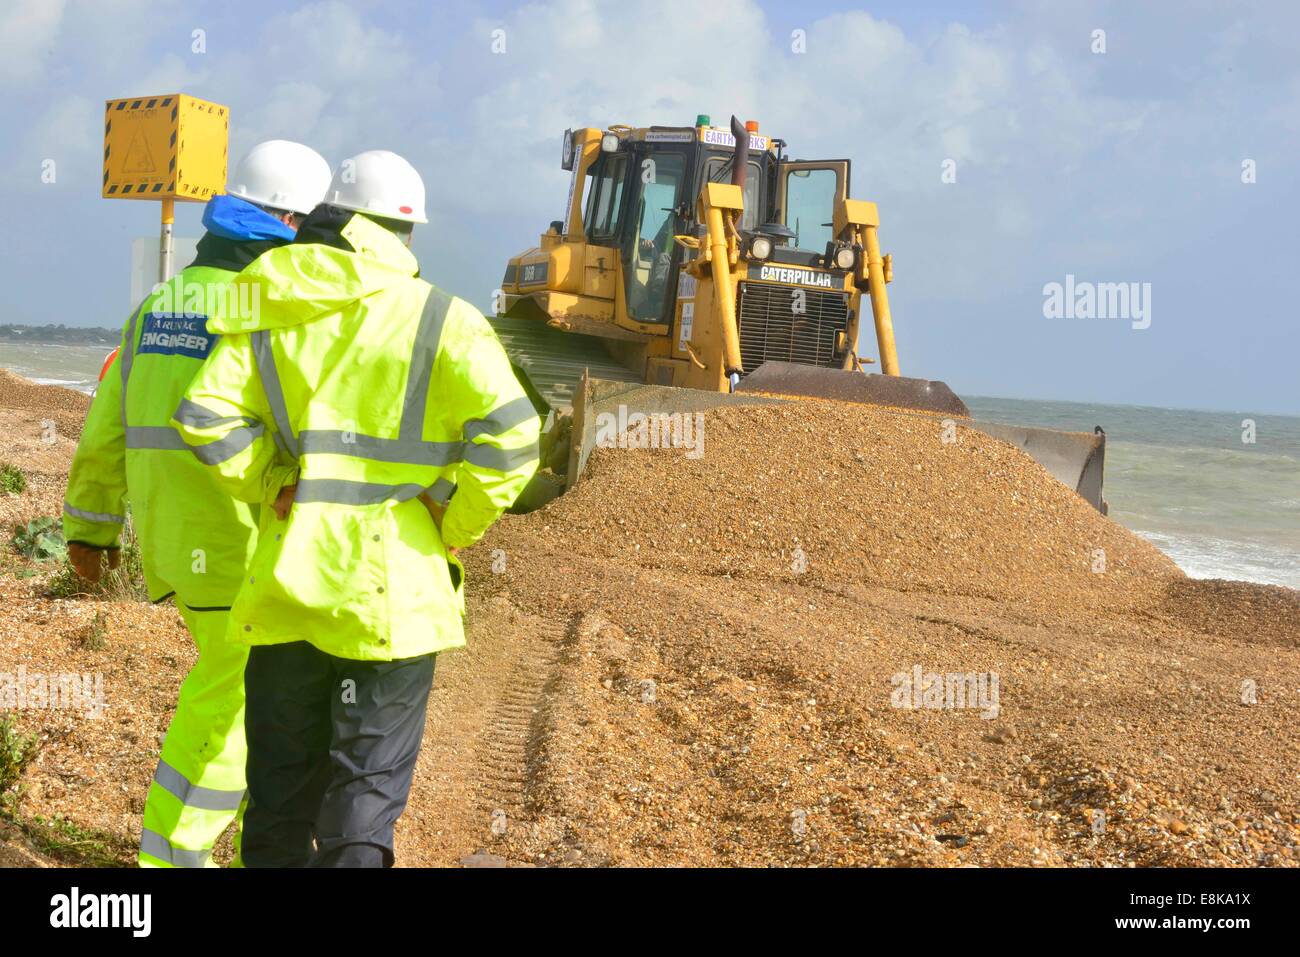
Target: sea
[[1218, 492]]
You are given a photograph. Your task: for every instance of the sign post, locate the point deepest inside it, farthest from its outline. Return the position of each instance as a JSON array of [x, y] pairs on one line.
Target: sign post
[[165, 148], [165, 240]]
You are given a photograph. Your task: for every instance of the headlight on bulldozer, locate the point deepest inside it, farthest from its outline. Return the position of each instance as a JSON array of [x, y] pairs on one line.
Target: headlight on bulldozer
[[845, 257], [760, 247]]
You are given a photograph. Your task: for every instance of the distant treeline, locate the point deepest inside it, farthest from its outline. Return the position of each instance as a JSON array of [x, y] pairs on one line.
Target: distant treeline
[[72, 335]]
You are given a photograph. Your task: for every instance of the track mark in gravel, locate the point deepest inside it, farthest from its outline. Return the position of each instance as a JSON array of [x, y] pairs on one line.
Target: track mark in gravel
[[517, 725], [973, 630]]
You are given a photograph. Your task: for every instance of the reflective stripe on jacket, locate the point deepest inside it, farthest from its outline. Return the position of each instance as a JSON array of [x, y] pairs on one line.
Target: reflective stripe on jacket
[[365, 386]]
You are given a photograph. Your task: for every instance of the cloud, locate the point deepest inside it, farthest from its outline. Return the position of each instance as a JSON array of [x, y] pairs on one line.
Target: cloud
[[30, 29], [66, 135], [334, 40], [290, 108]]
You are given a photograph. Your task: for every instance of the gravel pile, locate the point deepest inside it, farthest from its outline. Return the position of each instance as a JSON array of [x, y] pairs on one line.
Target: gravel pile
[[19, 393], [835, 493], [65, 407]]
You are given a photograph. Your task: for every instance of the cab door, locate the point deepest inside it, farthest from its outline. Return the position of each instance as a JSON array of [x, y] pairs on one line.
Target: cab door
[[649, 252], [807, 193], [601, 220]]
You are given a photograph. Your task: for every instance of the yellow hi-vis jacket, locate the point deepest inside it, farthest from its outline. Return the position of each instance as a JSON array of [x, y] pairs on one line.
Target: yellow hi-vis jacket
[[194, 539], [366, 386]]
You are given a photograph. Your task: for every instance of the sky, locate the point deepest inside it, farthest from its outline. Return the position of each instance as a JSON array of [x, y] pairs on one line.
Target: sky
[[1008, 145]]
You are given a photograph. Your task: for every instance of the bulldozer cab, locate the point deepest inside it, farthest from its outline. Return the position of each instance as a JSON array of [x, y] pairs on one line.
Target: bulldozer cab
[[660, 181], [641, 197]]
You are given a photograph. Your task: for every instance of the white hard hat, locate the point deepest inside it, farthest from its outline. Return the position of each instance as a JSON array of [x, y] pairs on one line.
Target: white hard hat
[[283, 175], [379, 182]]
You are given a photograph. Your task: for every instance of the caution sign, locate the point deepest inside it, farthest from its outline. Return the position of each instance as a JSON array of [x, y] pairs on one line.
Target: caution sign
[[165, 147]]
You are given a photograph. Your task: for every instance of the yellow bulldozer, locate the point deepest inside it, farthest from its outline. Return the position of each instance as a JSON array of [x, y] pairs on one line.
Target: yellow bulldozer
[[698, 266]]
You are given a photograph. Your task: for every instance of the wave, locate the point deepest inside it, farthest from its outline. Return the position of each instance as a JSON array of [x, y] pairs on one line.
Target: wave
[[1197, 497], [40, 381], [1204, 556], [1192, 456], [77, 385]]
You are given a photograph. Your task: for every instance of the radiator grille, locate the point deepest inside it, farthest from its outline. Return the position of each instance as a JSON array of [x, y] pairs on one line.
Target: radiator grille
[[769, 328]]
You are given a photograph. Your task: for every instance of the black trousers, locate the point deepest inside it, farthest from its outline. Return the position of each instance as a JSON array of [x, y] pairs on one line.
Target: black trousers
[[332, 745]]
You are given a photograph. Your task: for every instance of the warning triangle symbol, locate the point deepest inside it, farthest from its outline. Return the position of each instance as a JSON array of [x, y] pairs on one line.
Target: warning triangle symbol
[[138, 158]]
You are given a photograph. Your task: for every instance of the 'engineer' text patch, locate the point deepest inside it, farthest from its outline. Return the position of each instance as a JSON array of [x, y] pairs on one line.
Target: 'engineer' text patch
[[169, 334]]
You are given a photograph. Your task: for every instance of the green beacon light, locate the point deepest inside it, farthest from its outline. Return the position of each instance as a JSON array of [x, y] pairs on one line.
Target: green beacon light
[[702, 120]]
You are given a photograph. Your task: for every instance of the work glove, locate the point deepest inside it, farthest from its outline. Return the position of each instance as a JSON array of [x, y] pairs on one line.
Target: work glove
[[284, 501], [436, 512], [86, 562]]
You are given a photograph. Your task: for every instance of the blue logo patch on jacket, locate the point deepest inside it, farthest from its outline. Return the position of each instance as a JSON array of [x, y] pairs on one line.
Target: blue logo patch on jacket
[[170, 334]]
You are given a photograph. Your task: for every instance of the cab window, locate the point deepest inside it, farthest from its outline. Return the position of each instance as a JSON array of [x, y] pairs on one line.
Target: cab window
[[810, 206], [720, 172], [605, 197], [650, 253]]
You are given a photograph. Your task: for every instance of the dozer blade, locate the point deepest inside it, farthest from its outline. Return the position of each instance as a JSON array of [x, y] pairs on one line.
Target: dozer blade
[[818, 382], [597, 397], [1075, 459]]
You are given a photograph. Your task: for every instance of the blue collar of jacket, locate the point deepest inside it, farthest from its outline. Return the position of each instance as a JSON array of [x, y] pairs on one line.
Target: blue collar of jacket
[[238, 219]]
